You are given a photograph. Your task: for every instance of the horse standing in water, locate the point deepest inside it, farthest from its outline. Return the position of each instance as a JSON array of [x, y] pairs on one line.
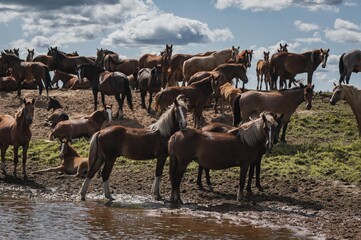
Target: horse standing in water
[[352, 95], [263, 71], [16, 131], [214, 150], [107, 83], [349, 62], [137, 144]]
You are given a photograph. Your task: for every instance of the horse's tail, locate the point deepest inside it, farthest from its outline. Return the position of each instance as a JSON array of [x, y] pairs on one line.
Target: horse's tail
[[96, 157], [173, 162], [47, 78], [341, 67], [51, 136], [236, 111], [128, 93]]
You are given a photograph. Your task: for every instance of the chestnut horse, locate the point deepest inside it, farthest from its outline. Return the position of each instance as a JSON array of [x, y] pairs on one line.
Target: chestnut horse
[[137, 144], [126, 66], [107, 83], [245, 58], [214, 150], [16, 131], [84, 127], [149, 80], [283, 101], [70, 81], [262, 70], [22, 70], [58, 113], [227, 94], [283, 64], [197, 93], [349, 62], [71, 162]]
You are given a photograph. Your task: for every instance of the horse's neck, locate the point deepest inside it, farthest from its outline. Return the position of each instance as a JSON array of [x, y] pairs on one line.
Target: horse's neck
[[295, 95], [231, 72], [70, 152], [98, 118], [351, 95], [20, 123]]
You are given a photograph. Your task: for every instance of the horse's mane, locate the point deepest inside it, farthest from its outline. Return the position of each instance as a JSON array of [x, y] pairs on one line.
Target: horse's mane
[[165, 124]]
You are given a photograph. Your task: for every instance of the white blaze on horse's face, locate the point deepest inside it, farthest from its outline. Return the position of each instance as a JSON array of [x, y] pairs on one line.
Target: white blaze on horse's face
[[62, 146], [324, 56], [109, 112], [183, 121], [79, 75]]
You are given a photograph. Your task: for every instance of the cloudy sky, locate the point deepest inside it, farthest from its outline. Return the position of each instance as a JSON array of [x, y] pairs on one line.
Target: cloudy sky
[[135, 27]]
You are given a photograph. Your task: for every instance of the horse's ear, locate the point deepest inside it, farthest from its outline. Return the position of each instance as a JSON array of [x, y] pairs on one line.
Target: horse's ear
[[264, 118], [33, 101], [334, 84], [301, 85], [328, 50], [24, 100], [313, 86], [232, 47]]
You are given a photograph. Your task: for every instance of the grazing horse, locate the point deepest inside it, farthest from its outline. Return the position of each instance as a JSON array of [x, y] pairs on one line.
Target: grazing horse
[[58, 113], [262, 70], [349, 62], [198, 94], [16, 131], [149, 80], [71, 162], [107, 83], [30, 56], [283, 48], [206, 63], [22, 70], [282, 101], [137, 144], [83, 127], [214, 150], [285, 64], [70, 81], [352, 95]]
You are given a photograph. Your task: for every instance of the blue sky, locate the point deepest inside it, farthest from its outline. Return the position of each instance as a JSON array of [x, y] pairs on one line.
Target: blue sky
[[134, 27]]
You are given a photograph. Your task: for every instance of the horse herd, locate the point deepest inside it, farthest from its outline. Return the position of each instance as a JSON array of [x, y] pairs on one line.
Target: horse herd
[[258, 116]]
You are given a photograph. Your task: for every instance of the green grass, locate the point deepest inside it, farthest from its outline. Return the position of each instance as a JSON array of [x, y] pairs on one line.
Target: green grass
[[321, 144]]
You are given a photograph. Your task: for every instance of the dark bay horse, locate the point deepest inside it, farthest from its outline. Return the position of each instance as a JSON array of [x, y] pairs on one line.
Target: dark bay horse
[[214, 150], [16, 131], [198, 94], [58, 113], [126, 66], [107, 83], [149, 80], [262, 70], [349, 62], [22, 70], [30, 56], [71, 162], [83, 127], [101, 53], [285, 64], [283, 101], [70, 81], [137, 144], [283, 48], [8, 84]]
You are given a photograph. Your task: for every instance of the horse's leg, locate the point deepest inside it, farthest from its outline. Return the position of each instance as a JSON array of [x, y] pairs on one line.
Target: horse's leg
[[348, 75], [52, 169], [215, 105], [40, 85], [242, 181], [150, 101], [208, 179], [16, 159], [258, 171], [199, 177], [103, 99], [250, 178], [25, 151], [177, 179], [258, 80], [142, 99], [120, 105], [283, 136], [95, 96], [107, 169], [4, 147], [158, 177]]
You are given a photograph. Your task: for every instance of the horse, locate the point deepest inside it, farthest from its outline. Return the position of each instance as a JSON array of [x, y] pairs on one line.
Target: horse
[[286, 65], [8, 84], [101, 53], [206, 63], [281, 101], [71, 162], [213, 150], [137, 144], [22, 70], [70, 81], [16, 131], [107, 83], [84, 127], [58, 113], [149, 80], [352, 96], [47, 60], [245, 58], [126, 66], [67, 63], [14, 51], [283, 48], [30, 56], [349, 62], [197, 94], [262, 70], [227, 94]]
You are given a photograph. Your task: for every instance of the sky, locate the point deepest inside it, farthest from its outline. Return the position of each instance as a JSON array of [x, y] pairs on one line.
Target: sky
[[135, 27]]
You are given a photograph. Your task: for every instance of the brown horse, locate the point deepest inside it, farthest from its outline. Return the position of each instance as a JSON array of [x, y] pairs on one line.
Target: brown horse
[[107, 83], [262, 70], [227, 94], [197, 93], [70, 81], [30, 56], [206, 63], [213, 150], [245, 58], [47, 60], [22, 70], [71, 162], [137, 144], [349, 62], [283, 64], [58, 113], [84, 127], [283, 101], [149, 80], [283, 48], [16, 131], [101, 53], [126, 66], [8, 84]]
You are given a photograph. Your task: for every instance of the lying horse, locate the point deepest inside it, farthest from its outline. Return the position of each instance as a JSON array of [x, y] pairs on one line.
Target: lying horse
[[70, 81], [16, 131], [84, 127], [71, 163], [213, 150], [137, 144], [349, 62], [58, 113], [8, 84]]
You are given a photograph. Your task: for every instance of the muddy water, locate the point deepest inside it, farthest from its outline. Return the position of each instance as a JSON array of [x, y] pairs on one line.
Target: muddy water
[[24, 219]]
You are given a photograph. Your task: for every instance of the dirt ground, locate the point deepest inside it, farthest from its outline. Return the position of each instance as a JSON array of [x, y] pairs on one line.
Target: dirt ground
[[330, 210]]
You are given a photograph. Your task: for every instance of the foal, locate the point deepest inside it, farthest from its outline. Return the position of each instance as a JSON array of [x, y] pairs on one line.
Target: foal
[[58, 113]]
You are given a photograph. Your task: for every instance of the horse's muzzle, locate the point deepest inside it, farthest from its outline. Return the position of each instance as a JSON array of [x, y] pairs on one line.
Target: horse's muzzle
[[308, 106], [333, 103], [29, 121], [323, 65]]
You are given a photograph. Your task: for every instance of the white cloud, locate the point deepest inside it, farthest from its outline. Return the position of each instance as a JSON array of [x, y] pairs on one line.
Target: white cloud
[[344, 24], [310, 40], [305, 27], [351, 4], [344, 32]]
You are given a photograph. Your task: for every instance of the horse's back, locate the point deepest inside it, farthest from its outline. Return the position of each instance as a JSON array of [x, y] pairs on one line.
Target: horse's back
[[353, 58]]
